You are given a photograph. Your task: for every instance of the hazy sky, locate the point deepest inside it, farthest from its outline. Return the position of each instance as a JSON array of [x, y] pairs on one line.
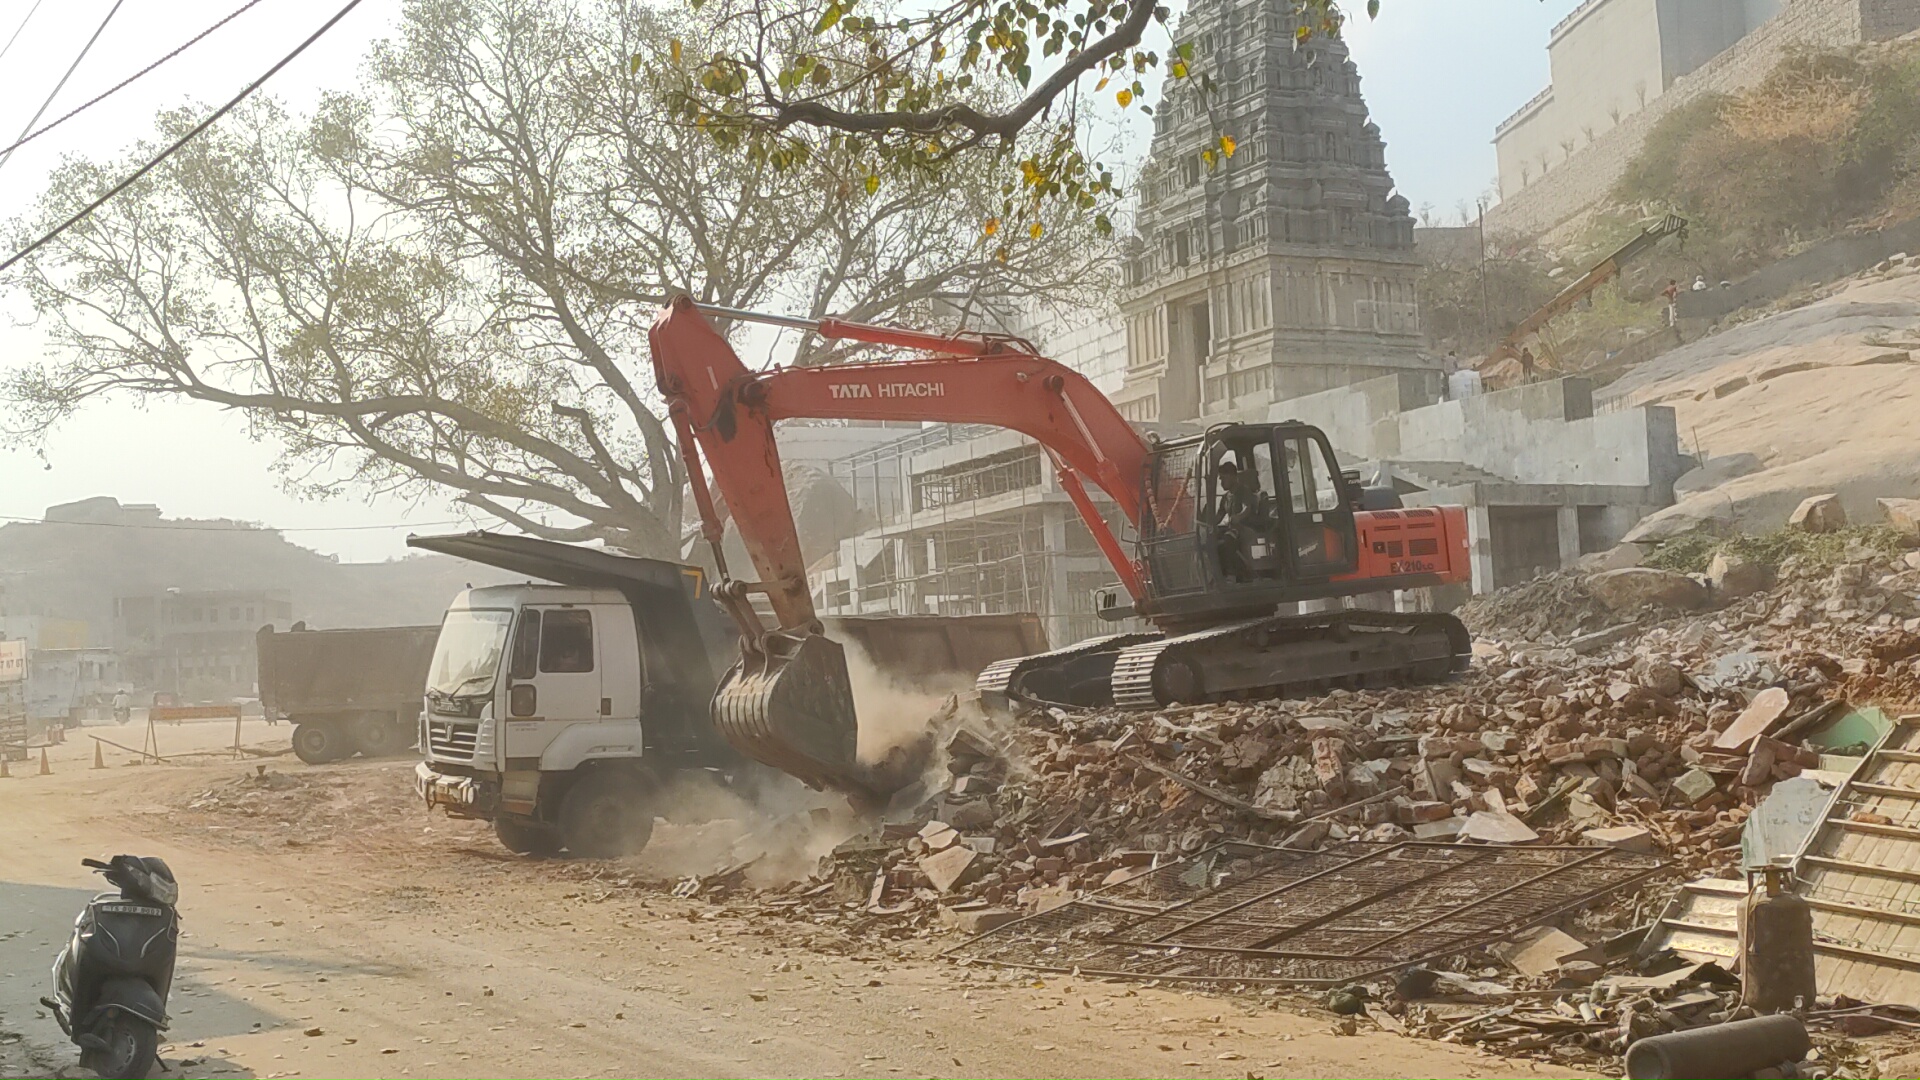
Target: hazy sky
[[1438, 74]]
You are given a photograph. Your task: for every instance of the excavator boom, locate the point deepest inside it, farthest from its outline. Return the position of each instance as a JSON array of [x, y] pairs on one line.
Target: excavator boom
[[788, 704]]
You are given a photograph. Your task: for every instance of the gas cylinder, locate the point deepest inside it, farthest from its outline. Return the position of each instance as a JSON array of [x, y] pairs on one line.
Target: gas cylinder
[[1776, 942]]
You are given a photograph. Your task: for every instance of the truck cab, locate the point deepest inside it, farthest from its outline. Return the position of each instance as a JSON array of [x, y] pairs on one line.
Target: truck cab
[[555, 711]]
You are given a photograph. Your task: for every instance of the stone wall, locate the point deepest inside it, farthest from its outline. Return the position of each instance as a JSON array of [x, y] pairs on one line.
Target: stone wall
[[1542, 433], [1586, 178]]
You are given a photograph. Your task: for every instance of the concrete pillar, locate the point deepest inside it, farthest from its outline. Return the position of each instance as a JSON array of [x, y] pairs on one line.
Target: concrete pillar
[[1054, 565], [1569, 522], [1480, 538]]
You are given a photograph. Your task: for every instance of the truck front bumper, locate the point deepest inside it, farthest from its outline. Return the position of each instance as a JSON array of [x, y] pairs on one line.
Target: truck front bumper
[[465, 796]]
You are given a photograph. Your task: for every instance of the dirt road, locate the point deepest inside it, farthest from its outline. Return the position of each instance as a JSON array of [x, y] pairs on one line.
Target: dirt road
[[359, 937]]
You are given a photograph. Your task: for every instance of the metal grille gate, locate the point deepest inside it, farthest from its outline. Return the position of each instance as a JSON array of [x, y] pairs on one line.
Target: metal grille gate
[[1244, 913]]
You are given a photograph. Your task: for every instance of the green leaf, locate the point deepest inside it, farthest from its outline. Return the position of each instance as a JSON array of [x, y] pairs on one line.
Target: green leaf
[[829, 18], [633, 65], [1185, 50], [873, 184], [1373, 9]]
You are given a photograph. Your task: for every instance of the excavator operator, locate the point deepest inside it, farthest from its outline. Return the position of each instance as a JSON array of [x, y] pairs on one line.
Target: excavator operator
[[1238, 512]]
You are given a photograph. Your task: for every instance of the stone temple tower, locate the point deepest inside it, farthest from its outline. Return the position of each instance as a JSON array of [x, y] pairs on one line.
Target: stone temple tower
[[1284, 270]]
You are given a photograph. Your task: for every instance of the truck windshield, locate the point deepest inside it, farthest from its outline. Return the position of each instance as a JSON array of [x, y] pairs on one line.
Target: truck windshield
[[468, 652]]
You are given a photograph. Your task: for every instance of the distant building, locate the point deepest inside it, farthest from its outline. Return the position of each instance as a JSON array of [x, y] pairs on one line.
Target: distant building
[[199, 645], [65, 684], [1609, 59], [1285, 269], [1620, 66]]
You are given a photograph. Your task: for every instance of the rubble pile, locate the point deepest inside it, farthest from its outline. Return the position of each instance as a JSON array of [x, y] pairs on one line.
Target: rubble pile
[[1644, 708], [1644, 727], [1553, 605]]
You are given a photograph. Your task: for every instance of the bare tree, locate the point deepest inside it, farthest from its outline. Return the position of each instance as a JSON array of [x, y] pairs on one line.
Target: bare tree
[[443, 280]]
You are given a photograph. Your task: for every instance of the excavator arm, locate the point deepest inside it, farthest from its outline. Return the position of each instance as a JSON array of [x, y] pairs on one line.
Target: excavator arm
[[1599, 274], [788, 703]]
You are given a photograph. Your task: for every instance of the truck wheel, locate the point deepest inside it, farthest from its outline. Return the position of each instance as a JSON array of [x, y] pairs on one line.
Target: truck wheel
[[318, 742], [376, 735], [606, 815], [524, 836]]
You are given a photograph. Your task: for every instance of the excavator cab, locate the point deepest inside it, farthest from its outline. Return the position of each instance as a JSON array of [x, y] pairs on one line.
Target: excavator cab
[[1244, 515]]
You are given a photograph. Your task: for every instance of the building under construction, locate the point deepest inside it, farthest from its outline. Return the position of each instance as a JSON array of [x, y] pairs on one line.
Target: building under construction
[[963, 520]]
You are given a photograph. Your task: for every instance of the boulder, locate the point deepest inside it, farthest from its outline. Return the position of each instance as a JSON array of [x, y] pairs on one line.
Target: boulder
[[1902, 514], [1819, 514], [1637, 587], [1734, 576], [1617, 557]]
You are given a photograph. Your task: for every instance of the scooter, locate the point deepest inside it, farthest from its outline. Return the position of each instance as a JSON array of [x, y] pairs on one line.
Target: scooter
[[111, 981]]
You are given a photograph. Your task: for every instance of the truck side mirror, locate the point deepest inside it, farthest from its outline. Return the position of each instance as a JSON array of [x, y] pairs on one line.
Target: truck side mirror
[[522, 700]]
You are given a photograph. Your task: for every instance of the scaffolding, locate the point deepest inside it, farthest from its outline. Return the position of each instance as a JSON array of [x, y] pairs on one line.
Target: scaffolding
[[992, 534]]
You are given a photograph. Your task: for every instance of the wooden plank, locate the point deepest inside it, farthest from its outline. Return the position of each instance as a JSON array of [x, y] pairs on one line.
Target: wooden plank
[[1888, 790], [1839, 908], [1906, 833]]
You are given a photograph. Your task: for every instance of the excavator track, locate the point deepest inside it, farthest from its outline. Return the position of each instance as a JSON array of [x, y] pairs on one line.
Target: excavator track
[[1273, 656], [1003, 681]]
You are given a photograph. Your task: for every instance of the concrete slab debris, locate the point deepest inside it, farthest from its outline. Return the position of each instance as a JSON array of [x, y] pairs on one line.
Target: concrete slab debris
[[1624, 837], [1541, 950], [1496, 827], [948, 868], [1760, 715]]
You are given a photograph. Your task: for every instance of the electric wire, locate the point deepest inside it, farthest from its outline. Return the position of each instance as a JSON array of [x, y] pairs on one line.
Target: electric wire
[[4, 50], [71, 68], [175, 146], [129, 80]]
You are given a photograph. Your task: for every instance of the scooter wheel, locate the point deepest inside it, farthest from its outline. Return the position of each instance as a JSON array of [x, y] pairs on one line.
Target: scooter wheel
[[132, 1046]]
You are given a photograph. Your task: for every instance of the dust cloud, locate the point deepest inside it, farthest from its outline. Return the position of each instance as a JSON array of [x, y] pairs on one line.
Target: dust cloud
[[769, 826], [895, 713], [773, 828]]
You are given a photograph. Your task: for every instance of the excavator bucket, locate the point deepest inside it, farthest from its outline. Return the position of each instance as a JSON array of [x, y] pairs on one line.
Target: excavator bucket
[[791, 708]]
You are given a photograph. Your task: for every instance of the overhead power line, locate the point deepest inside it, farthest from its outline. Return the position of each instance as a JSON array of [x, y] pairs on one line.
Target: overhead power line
[[183, 140], [61, 85], [126, 82], [16, 30]]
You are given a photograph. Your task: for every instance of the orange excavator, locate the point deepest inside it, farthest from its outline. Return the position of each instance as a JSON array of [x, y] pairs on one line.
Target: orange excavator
[[1230, 525]]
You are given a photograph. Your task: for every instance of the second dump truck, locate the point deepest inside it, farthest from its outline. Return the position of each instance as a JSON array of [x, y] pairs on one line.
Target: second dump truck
[[345, 692]]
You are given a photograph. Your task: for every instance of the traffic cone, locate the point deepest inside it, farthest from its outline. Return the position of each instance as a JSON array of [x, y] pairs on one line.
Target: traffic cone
[[44, 770], [98, 761]]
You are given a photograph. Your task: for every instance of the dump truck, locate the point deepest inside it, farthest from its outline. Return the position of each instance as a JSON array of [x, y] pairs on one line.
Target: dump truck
[[346, 692], [558, 709]]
